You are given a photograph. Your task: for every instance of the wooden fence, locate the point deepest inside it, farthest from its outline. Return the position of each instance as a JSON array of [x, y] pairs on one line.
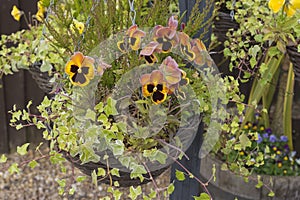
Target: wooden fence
[[18, 88]]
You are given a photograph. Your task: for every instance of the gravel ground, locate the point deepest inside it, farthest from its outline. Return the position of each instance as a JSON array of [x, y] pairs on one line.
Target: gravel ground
[[40, 183]]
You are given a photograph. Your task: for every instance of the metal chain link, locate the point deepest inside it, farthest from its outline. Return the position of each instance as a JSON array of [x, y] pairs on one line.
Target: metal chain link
[[232, 12], [132, 11]]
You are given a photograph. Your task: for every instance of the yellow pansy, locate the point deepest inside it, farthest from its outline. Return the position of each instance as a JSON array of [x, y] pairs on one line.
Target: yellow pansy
[[79, 26], [16, 13], [289, 7], [40, 15], [80, 69]]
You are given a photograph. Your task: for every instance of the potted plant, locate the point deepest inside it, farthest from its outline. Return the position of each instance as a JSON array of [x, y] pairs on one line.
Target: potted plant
[[125, 104], [258, 50]]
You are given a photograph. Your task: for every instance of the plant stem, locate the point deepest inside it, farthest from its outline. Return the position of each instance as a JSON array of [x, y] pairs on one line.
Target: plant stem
[[287, 108]]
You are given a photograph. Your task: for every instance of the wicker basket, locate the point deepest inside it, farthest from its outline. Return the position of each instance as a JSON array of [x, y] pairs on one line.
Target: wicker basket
[[222, 23], [41, 78], [295, 59]]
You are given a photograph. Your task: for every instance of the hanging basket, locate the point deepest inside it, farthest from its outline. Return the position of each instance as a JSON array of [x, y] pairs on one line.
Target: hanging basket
[[222, 23], [295, 59], [41, 78]]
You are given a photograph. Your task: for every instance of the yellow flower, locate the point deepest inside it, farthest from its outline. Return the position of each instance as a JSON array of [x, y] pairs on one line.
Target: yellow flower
[[79, 26], [285, 158], [40, 15], [80, 69], [153, 85], [132, 39], [279, 165], [289, 7], [16, 13]]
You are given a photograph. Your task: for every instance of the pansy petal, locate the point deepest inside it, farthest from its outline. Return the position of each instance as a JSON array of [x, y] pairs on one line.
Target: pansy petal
[[149, 48], [290, 10], [145, 78], [16, 13], [123, 45], [276, 5], [131, 30], [156, 77], [158, 97], [79, 79], [150, 60], [295, 3], [173, 23]]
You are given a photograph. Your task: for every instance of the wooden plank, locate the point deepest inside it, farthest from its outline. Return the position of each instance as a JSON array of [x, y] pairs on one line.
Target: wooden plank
[[14, 94], [3, 123]]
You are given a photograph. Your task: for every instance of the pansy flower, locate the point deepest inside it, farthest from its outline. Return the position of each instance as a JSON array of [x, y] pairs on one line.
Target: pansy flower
[[16, 13], [154, 85], [80, 69], [185, 46], [148, 52], [40, 15], [132, 39], [167, 36], [200, 52], [289, 7], [77, 25], [173, 75]]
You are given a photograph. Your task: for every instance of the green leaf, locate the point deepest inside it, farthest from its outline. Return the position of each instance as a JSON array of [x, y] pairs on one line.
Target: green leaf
[[259, 182], [101, 172], [3, 158], [118, 147], [171, 188], [90, 114], [80, 178], [19, 126], [203, 196], [271, 194], [115, 172], [155, 155], [110, 108], [94, 177], [14, 168], [61, 182], [71, 191], [22, 150], [179, 175], [134, 192], [245, 141], [32, 164]]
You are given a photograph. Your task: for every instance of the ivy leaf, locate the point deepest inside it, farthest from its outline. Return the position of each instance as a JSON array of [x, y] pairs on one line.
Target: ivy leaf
[[203, 196], [115, 172], [32, 164], [14, 168], [110, 108], [118, 148], [271, 194], [171, 188], [245, 141], [94, 177], [90, 114], [179, 175], [134, 192], [22, 150], [101, 172], [80, 178], [3, 159]]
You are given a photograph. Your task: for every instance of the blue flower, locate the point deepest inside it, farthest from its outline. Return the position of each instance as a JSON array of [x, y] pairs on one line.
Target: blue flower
[[268, 130], [272, 138], [259, 139], [284, 138], [265, 135]]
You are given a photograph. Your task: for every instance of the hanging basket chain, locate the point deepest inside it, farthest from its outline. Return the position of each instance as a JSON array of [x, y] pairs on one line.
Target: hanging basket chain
[[232, 11], [132, 11]]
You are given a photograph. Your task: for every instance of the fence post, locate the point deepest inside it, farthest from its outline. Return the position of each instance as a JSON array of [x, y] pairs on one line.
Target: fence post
[[190, 187]]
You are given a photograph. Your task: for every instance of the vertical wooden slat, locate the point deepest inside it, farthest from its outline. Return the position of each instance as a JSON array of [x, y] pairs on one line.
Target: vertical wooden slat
[[3, 123], [14, 94], [7, 25]]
